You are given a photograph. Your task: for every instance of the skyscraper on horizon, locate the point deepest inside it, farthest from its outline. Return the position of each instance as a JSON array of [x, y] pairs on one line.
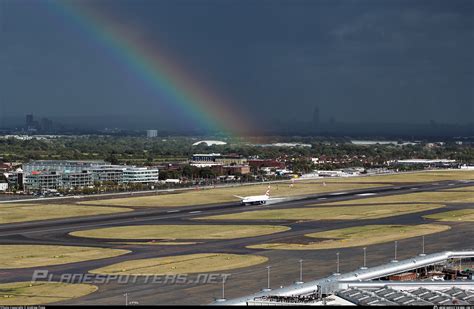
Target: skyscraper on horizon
[[151, 133], [29, 120]]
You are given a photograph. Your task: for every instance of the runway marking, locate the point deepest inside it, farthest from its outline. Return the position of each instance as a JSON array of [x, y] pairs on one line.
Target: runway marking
[[171, 211], [195, 212], [338, 193], [366, 194], [322, 198], [414, 188], [450, 184]]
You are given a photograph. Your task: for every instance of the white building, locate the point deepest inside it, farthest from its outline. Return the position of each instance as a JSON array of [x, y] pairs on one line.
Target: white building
[[3, 186], [140, 175], [209, 143], [60, 174]]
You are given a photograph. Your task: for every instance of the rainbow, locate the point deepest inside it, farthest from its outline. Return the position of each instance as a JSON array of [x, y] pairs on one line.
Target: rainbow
[[153, 66]]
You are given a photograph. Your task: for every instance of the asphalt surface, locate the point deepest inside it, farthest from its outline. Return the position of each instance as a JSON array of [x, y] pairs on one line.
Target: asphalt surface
[[285, 265]]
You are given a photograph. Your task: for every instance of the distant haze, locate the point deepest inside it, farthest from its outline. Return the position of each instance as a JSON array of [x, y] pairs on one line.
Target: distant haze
[[357, 61]]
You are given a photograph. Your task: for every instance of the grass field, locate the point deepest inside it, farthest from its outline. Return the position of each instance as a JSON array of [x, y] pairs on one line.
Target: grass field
[[420, 197], [454, 215], [173, 232], [225, 195], [10, 213], [40, 293], [183, 264], [358, 236], [422, 176], [464, 189], [23, 256], [327, 213]]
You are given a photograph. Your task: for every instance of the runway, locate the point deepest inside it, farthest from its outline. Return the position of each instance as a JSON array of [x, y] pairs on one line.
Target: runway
[[318, 263]]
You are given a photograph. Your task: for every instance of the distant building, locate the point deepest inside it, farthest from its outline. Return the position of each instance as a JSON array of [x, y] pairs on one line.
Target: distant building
[[140, 175], [32, 125], [46, 125], [14, 178], [210, 159], [151, 133], [29, 120], [3, 186], [231, 159], [42, 181], [236, 169], [67, 174], [77, 180], [61, 166], [427, 162], [108, 173], [205, 160], [210, 143]]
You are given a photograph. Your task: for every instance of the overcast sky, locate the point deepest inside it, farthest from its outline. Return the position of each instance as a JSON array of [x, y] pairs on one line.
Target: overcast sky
[[404, 61]]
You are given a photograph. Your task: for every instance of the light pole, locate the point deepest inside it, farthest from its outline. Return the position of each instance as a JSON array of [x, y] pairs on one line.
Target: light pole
[[268, 279], [301, 272], [422, 246], [337, 273], [365, 258], [395, 259], [126, 299], [223, 290]]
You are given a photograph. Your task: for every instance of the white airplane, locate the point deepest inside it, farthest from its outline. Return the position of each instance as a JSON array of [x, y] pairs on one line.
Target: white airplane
[[255, 199]]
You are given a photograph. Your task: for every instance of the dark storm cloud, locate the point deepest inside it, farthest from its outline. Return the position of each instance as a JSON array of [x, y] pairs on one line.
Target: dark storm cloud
[[395, 61]]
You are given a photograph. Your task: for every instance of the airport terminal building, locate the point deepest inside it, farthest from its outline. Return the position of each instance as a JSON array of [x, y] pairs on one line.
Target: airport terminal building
[[444, 278]]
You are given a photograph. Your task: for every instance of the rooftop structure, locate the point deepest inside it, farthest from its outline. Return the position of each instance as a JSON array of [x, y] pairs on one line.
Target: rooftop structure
[[209, 143], [60, 165], [452, 293], [371, 286], [426, 161], [212, 159]]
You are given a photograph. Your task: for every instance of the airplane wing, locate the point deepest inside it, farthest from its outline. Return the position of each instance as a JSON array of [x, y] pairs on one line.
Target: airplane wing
[[240, 197]]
